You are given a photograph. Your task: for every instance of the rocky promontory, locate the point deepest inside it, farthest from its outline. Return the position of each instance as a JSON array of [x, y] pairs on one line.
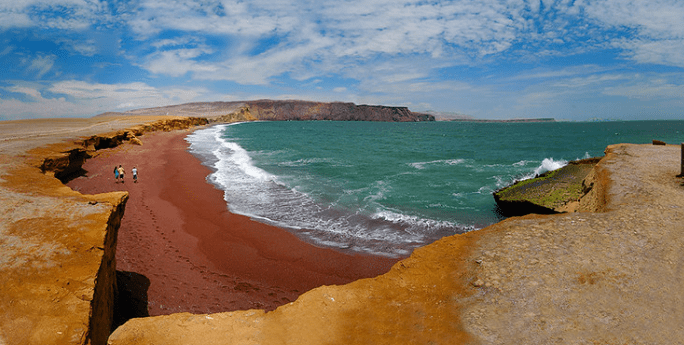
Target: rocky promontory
[[335, 111], [286, 110], [554, 191]]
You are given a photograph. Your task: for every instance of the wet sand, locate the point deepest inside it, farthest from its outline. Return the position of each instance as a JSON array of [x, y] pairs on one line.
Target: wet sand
[[180, 249]]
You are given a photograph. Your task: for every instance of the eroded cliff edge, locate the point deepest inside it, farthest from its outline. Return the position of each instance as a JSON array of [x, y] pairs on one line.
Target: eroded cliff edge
[[609, 276], [57, 246]]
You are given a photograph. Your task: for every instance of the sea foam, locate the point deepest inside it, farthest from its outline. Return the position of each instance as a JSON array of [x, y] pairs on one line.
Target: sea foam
[[254, 192]]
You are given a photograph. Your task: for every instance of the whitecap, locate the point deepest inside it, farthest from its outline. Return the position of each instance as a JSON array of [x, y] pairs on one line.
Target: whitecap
[[421, 165]]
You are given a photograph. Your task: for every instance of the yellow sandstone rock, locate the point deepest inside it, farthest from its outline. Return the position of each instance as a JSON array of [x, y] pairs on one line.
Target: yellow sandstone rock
[[57, 246], [610, 274]]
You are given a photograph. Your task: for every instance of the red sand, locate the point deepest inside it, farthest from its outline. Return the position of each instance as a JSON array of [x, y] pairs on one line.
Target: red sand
[[198, 257]]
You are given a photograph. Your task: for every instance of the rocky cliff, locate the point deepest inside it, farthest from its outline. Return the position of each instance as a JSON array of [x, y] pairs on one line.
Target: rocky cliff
[[57, 258], [336, 111], [272, 110], [57, 246]]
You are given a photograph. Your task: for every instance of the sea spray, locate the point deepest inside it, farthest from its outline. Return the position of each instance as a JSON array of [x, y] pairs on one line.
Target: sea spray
[[548, 164]]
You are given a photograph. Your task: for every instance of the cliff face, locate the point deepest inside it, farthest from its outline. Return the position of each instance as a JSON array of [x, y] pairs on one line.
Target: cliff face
[[57, 246], [336, 111], [57, 260], [271, 110], [239, 115]]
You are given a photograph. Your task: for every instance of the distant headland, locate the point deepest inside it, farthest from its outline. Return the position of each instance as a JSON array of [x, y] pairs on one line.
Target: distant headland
[[448, 116], [297, 110], [505, 121], [284, 110]]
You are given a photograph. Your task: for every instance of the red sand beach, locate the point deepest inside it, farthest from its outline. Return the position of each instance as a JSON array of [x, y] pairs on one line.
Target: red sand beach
[[178, 237]]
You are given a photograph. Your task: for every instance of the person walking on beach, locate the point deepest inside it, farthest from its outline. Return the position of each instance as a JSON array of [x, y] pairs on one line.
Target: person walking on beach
[[116, 174], [135, 175], [121, 173]]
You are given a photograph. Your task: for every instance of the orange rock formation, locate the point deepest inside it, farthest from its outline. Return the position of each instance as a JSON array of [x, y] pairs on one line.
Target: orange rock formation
[[610, 276]]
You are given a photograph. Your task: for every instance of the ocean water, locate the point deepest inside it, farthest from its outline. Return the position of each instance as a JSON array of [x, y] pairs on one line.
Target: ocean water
[[387, 188]]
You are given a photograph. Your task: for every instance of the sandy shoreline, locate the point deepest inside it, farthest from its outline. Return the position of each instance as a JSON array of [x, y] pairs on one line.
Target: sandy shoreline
[[179, 242]]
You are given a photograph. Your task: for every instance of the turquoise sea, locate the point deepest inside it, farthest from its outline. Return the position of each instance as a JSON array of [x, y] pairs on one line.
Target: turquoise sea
[[387, 188]]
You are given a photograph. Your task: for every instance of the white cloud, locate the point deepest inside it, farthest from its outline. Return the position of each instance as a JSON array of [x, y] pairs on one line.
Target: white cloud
[[7, 50], [595, 79], [85, 46], [172, 42], [81, 90], [316, 38], [74, 98], [213, 17], [178, 62], [25, 90], [53, 14], [656, 28], [11, 19], [654, 18], [41, 65], [661, 52], [12, 109], [649, 89], [311, 38], [389, 50], [557, 73]]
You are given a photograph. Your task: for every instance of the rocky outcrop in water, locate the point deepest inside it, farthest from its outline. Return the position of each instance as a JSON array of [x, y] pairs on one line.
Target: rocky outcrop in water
[[555, 191]]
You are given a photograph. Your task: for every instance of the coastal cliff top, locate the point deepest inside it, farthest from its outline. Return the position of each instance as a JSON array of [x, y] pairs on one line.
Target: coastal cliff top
[[56, 245], [19, 136], [607, 277]]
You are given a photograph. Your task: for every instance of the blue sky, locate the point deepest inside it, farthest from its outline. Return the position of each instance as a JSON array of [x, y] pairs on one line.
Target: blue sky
[[491, 59]]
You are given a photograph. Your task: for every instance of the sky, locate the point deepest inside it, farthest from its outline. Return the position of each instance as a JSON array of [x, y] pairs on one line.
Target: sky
[[490, 59]]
